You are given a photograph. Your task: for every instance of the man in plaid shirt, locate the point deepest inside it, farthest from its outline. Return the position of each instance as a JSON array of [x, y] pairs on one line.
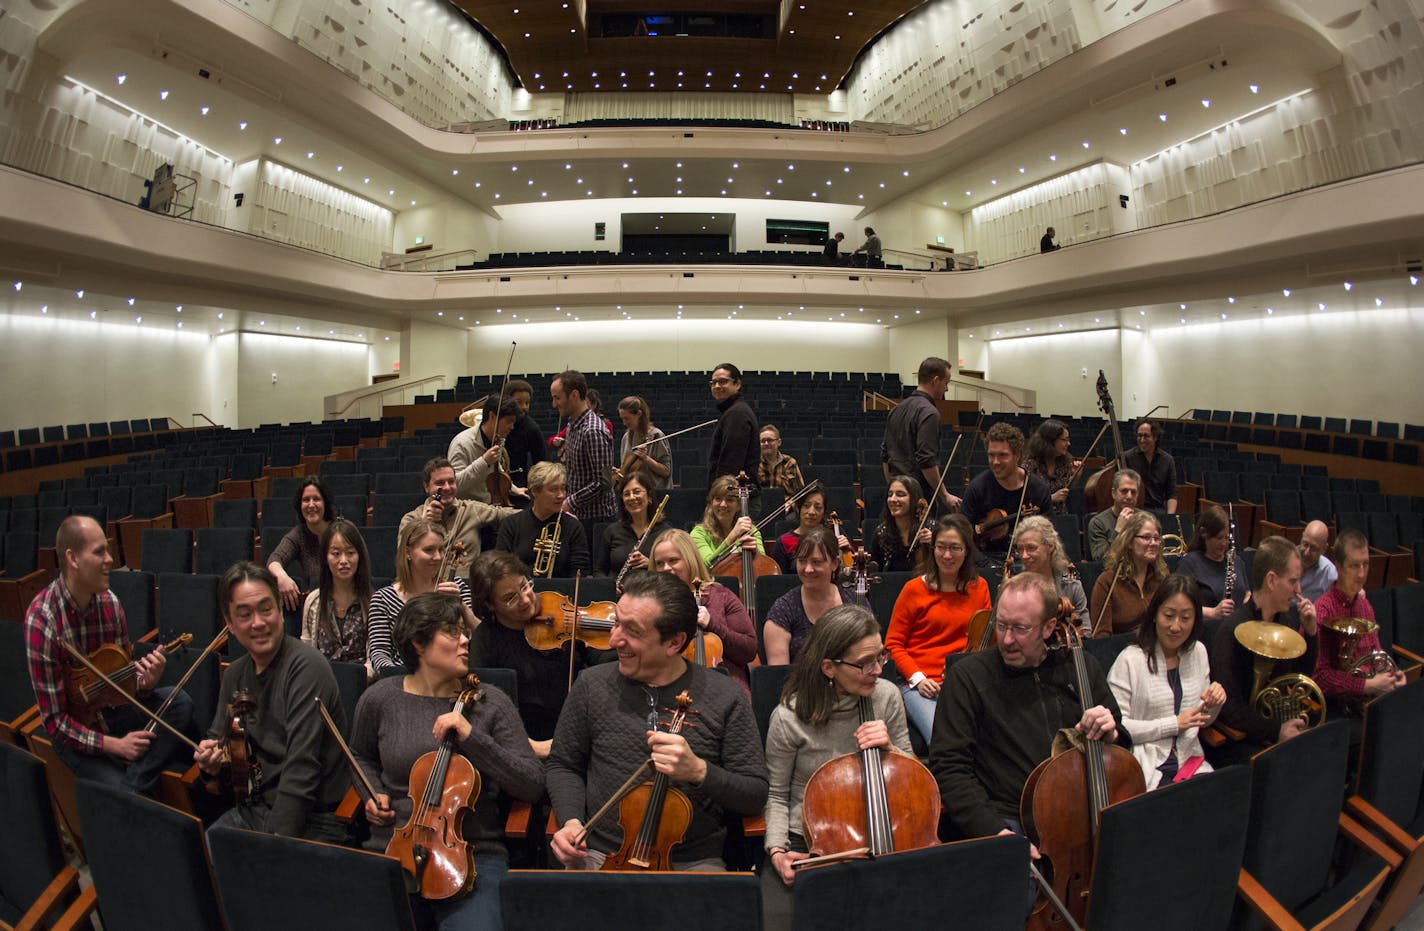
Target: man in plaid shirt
[[588, 450], [120, 746]]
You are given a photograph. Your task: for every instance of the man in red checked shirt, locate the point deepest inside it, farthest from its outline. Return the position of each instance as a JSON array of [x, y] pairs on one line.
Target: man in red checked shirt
[[121, 746]]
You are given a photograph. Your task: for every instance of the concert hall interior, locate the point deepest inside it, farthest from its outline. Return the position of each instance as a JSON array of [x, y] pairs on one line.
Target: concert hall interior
[[241, 226]]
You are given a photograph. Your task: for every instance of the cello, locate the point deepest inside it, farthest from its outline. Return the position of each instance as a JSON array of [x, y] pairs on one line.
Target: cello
[[1098, 489], [1064, 795], [431, 847], [753, 564]]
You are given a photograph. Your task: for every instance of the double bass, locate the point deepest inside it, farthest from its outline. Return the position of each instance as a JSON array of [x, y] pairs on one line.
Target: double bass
[[1065, 794], [1098, 490]]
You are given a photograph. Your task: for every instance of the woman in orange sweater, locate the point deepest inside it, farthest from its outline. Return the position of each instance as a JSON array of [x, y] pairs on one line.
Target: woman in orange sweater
[[931, 618]]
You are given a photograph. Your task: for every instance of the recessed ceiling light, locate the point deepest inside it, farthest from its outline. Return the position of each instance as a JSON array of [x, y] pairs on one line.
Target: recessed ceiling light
[[1206, 103], [1255, 88], [276, 140], [1348, 286], [1285, 291], [340, 167], [1231, 300], [79, 294], [1123, 130], [242, 124], [1053, 158], [310, 154], [1086, 145], [1162, 117], [203, 110]]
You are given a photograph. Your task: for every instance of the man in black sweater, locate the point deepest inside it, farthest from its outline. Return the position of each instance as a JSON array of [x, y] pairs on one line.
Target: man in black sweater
[[610, 729], [735, 447], [299, 776], [999, 711]]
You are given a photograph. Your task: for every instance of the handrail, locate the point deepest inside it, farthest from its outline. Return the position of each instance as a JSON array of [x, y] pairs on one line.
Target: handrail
[[204, 416], [405, 263], [986, 387], [383, 387], [875, 397], [1181, 416]]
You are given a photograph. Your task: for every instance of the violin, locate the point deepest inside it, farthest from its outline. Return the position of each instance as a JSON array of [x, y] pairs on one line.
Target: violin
[[995, 525], [244, 770], [654, 815], [980, 633], [1098, 490], [561, 620], [451, 559], [90, 691], [1064, 795], [431, 847], [706, 647], [872, 799], [847, 552], [922, 520]]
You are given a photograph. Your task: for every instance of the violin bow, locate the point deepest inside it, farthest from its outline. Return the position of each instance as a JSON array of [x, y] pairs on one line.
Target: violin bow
[[668, 436], [614, 799], [1013, 534], [1082, 462], [215, 644], [573, 629], [79, 655], [346, 752], [934, 495]]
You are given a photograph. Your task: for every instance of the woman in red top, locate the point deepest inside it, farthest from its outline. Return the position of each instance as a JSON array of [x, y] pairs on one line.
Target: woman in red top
[[810, 512], [931, 618]]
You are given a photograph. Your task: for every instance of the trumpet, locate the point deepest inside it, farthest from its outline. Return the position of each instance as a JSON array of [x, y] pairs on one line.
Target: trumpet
[[1281, 698], [546, 548]]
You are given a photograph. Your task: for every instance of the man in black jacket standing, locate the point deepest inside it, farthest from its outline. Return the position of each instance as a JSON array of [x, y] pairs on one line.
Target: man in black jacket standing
[[999, 711], [735, 448]]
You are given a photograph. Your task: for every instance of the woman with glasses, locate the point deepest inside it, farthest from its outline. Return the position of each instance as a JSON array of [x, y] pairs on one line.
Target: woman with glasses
[[1205, 561], [506, 602], [794, 614], [1162, 683], [1132, 572], [931, 618], [719, 610], [1041, 551], [735, 448], [899, 527], [817, 720]]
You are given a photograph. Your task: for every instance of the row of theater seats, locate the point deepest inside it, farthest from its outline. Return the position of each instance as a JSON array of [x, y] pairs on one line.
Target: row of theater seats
[[661, 257]]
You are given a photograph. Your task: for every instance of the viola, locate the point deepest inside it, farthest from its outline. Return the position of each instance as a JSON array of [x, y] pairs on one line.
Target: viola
[[847, 551], [431, 846], [995, 525], [654, 815], [1064, 795], [91, 690], [922, 520], [705, 649], [1098, 490], [498, 482], [980, 632], [561, 620], [872, 799], [244, 770]]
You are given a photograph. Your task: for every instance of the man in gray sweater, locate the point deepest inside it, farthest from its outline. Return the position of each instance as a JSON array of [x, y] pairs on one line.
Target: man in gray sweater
[[609, 729]]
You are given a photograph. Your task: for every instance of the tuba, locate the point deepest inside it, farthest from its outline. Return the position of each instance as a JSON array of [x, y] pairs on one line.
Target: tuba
[[546, 549], [1284, 697], [1350, 659]]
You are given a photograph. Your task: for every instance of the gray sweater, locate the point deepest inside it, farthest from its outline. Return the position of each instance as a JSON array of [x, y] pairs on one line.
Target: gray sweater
[[795, 750], [602, 738], [392, 731]]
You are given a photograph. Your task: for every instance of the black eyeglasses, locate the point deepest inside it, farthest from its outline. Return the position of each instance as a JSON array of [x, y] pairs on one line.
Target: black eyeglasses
[[878, 661]]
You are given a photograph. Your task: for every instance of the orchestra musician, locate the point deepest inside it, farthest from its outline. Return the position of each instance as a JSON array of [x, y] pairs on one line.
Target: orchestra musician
[[587, 450], [931, 618], [999, 711], [1001, 488], [817, 720], [461, 518], [525, 443], [399, 719], [618, 546], [421, 551], [810, 512], [1040, 550], [534, 527], [1105, 525], [653, 460], [1317, 573], [303, 776], [1205, 561], [1047, 457], [719, 610], [1132, 572], [334, 615], [900, 528], [791, 617], [1345, 691], [302, 544], [911, 443], [718, 763], [735, 448], [505, 602], [776, 469], [723, 525], [474, 451], [1156, 466], [121, 747], [1275, 597], [1162, 684]]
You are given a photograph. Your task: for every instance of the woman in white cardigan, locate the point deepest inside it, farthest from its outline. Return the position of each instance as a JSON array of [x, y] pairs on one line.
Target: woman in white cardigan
[[1162, 684]]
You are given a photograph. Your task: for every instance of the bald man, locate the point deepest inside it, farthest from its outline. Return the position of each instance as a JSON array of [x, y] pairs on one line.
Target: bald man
[[1317, 572]]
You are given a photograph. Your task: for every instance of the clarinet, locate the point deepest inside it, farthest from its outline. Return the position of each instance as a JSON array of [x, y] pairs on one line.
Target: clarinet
[[1229, 579]]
